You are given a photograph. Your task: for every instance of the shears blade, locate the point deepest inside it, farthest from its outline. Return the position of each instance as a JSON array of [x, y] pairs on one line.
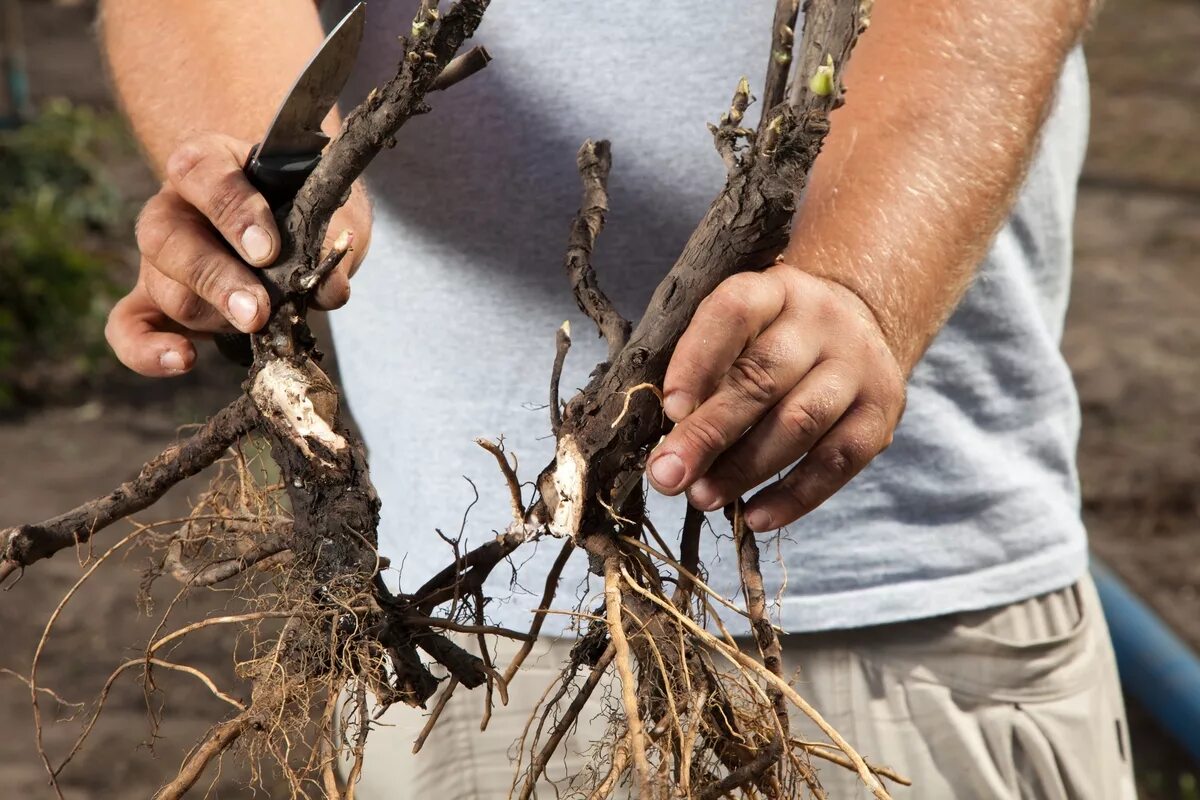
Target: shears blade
[[296, 129]]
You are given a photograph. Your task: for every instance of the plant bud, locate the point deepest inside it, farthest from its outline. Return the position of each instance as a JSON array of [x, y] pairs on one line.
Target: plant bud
[[821, 83]]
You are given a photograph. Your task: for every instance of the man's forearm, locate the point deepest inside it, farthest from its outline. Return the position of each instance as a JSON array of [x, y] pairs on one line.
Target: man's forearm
[[945, 101], [217, 65]]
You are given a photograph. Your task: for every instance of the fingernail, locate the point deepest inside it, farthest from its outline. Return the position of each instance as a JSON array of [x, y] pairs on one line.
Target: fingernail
[[667, 470], [759, 520], [243, 308], [678, 405], [256, 243], [703, 495], [171, 360]]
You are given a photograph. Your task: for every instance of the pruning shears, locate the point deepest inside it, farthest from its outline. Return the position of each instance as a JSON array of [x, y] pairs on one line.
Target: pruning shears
[[291, 148]]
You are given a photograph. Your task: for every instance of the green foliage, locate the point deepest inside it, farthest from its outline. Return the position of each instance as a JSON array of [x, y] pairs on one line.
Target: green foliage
[[57, 208]]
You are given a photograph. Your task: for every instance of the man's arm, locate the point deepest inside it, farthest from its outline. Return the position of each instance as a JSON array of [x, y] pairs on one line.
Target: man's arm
[[946, 98], [200, 83]]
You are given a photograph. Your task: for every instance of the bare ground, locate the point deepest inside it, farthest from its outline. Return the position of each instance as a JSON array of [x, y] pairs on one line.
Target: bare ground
[[1131, 339]]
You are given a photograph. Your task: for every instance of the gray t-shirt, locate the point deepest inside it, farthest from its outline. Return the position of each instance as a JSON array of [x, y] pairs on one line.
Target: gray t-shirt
[[449, 334]]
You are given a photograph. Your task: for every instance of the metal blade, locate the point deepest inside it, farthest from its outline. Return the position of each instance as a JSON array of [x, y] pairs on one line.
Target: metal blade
[[296, 128]]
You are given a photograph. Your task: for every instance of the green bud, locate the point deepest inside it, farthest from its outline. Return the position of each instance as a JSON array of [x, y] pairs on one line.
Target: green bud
[[821, 83], [781, 56], [419, 29]]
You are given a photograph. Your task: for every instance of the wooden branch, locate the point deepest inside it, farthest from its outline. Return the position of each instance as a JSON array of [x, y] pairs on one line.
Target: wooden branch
[[26, 544], [831, 29], [466, 574], [461, 68], [783, 33], [745, 228], [729, 133], [373, 126], [595, 162]]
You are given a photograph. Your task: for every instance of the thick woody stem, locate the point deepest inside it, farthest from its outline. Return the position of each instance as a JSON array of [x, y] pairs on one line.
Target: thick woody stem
[[595, 162], [27, 544]]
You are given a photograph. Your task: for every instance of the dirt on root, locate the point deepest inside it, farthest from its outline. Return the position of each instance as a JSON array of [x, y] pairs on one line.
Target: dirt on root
[[1131, 339]]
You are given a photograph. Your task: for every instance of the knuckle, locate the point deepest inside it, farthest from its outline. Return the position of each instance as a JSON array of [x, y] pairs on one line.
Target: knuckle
[[730, 304], [702, 435], [753, 378], [150, 230], [801, 422], [225, 198], [187, 308], [844, 459], [184, 160], [877, 423], [207, 277], [169, 249], [829, 307]]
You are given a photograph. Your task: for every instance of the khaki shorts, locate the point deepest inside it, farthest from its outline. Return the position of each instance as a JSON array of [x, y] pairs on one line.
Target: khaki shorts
[[1015, 702]]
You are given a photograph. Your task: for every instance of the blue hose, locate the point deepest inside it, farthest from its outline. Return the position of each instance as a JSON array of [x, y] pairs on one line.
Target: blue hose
[[1156, 666]]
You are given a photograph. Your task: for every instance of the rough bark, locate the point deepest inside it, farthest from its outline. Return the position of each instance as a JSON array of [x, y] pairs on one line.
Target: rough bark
[[27, 544]]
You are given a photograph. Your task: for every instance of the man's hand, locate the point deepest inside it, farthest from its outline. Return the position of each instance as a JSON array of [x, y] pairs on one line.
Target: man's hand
[[899, 209], [200, 238], [774, 366]]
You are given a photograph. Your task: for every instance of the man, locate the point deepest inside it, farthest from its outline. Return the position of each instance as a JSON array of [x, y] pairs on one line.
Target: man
[[939, 604]]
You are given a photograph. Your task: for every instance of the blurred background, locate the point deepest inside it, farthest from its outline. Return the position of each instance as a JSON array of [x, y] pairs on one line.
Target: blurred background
[[73, 423]]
